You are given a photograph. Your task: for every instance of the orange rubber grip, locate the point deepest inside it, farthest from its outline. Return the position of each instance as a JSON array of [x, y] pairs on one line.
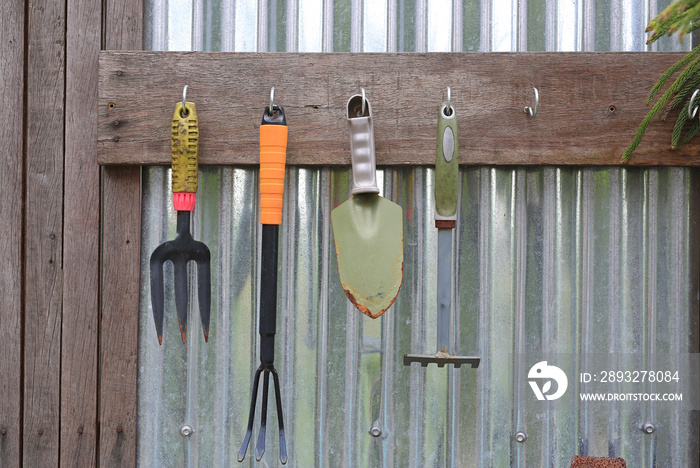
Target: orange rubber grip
[[273, 157]]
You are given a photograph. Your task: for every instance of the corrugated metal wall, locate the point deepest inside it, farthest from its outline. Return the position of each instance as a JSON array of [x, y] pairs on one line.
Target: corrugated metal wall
[[568, 260]]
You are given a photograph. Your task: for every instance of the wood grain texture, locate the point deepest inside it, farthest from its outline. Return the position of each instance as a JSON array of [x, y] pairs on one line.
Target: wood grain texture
[[43, 231], [11, 192], [81, 238], [590, 106], [121, 221], [119, 277]]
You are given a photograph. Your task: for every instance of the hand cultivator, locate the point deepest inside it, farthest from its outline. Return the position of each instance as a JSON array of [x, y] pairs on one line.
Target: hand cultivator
[[273, 147], [185, 137]]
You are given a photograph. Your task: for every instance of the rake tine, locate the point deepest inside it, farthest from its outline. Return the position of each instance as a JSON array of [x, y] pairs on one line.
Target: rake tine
[[260, 448], [280, 421], [204, 288], [251, 416]]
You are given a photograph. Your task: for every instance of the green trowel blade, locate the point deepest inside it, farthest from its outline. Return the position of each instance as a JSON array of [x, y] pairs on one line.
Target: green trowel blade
[[368, 231]]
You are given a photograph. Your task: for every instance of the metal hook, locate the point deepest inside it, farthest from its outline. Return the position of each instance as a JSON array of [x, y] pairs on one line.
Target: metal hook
[[272, 99], [364, 100], [691, 115], [448, 108], [184, 101], [530, 110]]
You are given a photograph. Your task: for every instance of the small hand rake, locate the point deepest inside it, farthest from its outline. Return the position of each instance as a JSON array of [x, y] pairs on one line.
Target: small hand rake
[[273, 155], [182, 249]]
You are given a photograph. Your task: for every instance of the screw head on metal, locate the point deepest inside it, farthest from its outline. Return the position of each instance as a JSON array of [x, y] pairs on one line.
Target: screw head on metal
[[520, 437], [648, 428], [375, 431], [186, 430]]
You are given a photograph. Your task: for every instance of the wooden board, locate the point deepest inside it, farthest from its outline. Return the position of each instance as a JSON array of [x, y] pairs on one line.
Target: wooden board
[[119, 277], [81, 237], [590, 106], [43, 232], [11, 167]]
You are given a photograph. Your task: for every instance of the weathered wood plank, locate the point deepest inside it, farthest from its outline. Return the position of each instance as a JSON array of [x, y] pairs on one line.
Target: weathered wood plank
[[119, 277], [43, 231], [121, 200], [591, 104], [81, 238], [11, 192]]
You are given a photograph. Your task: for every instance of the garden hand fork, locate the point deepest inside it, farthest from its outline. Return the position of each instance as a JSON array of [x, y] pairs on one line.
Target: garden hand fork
[[185, 137]]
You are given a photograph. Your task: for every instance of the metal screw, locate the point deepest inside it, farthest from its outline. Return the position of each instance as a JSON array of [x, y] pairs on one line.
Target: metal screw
[[80, 430], [119, 428], [40, 431], [119, 73], [375, 430], [520, 436], [116, 138], [648, 428], [116, 123], [3, 432], [186, 430]]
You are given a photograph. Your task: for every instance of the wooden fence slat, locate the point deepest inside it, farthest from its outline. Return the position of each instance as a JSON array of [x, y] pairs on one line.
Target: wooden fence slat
[[43, 232], [11, 97], [119, 277], [590, 106], [81, 238]]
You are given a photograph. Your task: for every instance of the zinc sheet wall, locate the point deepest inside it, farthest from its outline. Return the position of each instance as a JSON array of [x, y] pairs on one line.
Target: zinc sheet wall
[[557, 259]]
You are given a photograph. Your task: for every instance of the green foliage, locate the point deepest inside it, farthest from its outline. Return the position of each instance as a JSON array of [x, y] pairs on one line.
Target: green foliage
[[679, 17]]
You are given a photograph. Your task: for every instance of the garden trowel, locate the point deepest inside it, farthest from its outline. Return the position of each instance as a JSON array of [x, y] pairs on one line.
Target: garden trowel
[[368, 229]]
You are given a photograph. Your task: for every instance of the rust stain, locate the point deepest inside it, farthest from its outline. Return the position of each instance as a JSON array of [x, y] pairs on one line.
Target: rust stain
[[364, 309], [183, 333]]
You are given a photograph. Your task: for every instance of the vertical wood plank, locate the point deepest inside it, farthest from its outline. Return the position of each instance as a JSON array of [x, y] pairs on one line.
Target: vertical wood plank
[[121, 235], [43, 287], [11, 97], [81, 237]]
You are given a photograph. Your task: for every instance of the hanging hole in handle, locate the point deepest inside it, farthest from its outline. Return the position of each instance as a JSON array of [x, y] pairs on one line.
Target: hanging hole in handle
[[447, 111], [184, 112]]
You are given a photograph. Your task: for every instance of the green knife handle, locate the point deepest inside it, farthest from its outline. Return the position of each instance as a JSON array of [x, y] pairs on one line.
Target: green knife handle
[[446, 165]]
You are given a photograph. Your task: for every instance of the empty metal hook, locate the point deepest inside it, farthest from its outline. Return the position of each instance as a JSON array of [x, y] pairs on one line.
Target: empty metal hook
[[272, 99], [184, 101], [693, 111], [530, 110]]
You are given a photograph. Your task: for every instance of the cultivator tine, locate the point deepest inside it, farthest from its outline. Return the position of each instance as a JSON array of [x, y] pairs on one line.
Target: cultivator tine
[[157, 293], [280, 421], [181, 294], [260, 448], [204, 289], [251, 415]]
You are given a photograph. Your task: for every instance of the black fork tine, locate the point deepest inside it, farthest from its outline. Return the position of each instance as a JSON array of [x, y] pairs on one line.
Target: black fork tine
[[260, 448], [160, 255], [251, 415], [181, 294], [204, 286], [157, 294], [280, 420]]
